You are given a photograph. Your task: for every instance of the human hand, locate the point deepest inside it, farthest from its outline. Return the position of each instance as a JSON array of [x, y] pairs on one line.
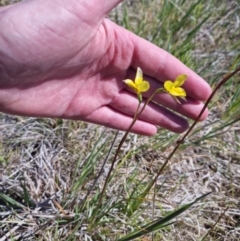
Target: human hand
[[64, 59]]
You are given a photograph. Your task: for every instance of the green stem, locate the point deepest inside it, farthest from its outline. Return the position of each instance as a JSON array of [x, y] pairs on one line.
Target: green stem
[[223, 81], [218, 220], [122, 141]]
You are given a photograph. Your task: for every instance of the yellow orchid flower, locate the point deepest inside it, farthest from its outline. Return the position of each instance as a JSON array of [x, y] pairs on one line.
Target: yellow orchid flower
[[175, 89], [139, 85]]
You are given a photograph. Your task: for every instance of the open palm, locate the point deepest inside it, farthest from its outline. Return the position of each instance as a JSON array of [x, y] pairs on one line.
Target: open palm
[[65, 59]]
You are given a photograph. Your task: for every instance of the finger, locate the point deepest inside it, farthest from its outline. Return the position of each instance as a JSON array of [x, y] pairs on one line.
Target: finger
[[161, 65], [191, 108], [112, 118], [127, 103]]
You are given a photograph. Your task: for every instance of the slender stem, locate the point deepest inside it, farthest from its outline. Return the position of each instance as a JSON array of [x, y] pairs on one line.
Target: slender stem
[[223, 81], [118, 149], [122, 141], [218, 220]]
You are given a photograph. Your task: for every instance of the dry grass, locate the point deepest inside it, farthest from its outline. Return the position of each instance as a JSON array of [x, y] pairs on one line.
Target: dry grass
[[41, 160]]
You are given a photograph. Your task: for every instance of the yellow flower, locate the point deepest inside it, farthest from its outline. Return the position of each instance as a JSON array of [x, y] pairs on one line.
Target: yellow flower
[[139, 85], [174, 88]]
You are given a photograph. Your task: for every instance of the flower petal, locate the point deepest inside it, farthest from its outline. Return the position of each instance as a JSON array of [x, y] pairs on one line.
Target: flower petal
[[144, 86], [179, 81], [178, 91], [168, 84], [131, 84], [139, 77]]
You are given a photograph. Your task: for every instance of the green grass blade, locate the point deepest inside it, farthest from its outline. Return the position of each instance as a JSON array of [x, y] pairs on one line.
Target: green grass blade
[[160, 223], [9, 201], [90, 162], [185, 17], [26, 196]]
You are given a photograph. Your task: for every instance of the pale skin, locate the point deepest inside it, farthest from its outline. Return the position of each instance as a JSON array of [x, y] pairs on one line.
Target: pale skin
[[65, 59]]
